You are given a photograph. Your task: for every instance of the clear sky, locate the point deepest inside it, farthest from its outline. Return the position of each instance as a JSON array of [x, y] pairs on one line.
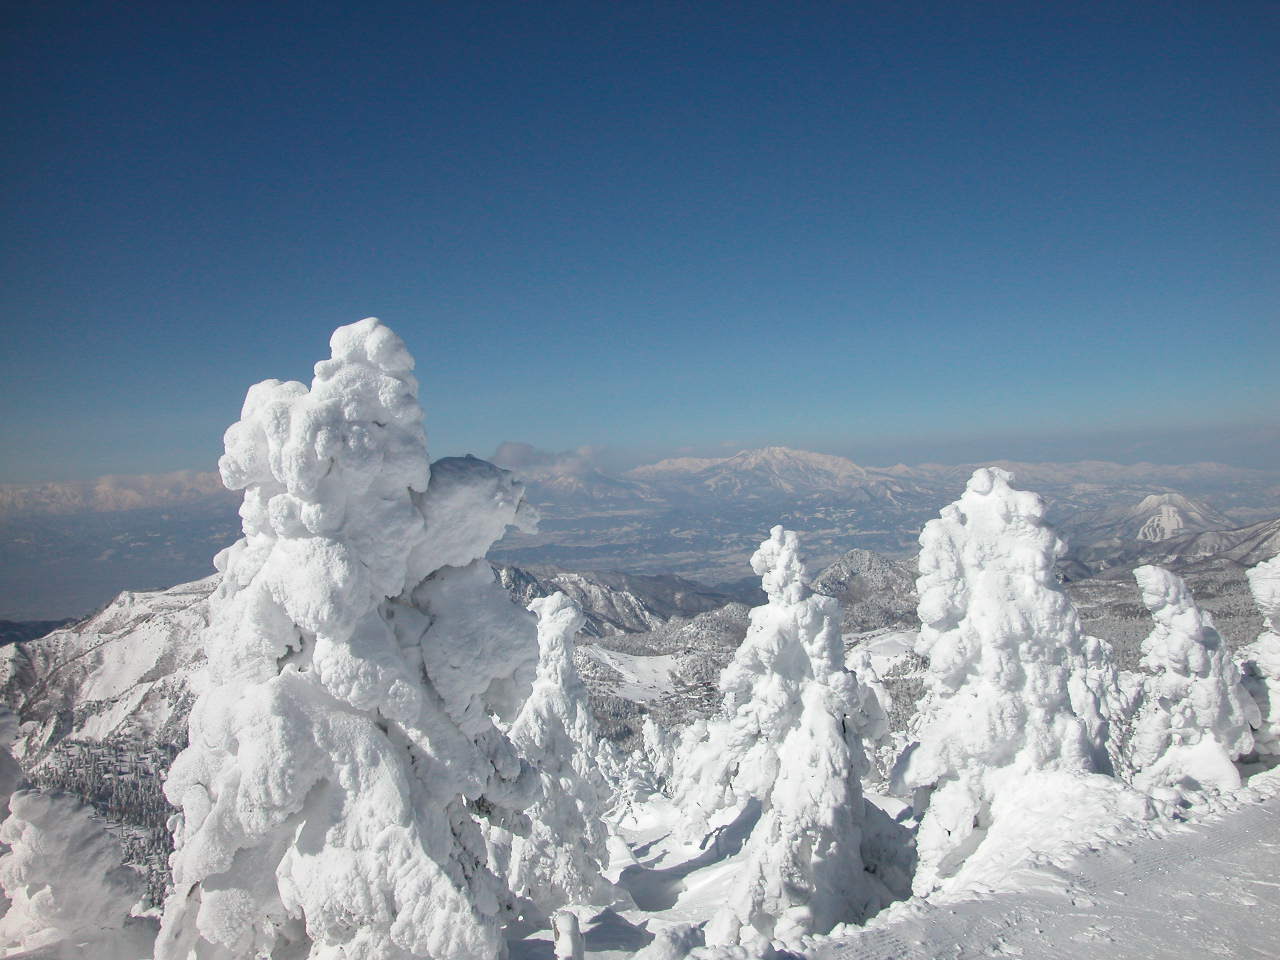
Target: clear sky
[[893, 231]]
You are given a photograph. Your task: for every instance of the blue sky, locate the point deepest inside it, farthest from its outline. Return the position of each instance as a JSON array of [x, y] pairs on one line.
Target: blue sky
[[892, 231]]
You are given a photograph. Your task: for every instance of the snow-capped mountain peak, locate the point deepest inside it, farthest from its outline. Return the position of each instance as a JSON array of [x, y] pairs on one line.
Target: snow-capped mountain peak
[[1167, 515], [769, 469]]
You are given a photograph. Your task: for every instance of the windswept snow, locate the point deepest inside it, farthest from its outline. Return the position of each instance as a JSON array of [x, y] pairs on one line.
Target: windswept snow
[[1206, 889]]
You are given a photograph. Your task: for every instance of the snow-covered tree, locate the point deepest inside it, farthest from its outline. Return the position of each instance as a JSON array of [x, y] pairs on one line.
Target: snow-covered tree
[[10, 771], [1260, 660], [560, 859], [1002, 640], [878, 742], [1194, 718], [786, 747], [69, 892], [343, 748]]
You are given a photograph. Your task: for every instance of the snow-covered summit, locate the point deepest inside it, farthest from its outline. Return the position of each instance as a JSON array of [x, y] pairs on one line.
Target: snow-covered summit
[[1166, 515], [753, 472]]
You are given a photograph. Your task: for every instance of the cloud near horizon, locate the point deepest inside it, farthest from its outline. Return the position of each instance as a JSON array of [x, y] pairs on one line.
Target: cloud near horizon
[[113, 493]]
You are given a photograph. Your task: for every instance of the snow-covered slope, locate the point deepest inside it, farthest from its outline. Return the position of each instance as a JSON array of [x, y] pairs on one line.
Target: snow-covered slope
[[614, 602], [874, 591], [1157, 517], [1246, 546], [1207, 890], [123, 673]]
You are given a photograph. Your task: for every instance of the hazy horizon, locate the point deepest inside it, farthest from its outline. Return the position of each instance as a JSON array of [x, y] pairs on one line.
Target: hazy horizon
[[1254, 447]]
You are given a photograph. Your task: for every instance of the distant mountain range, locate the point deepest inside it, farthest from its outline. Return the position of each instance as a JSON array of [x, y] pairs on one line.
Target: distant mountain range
[[701, 517], [68, 548]]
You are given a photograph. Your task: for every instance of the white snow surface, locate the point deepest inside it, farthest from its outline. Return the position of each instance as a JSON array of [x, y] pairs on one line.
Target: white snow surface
[[118, 674], [1260, 660], [644, 678], [1196, 717], [1207, 888], [344, 747]]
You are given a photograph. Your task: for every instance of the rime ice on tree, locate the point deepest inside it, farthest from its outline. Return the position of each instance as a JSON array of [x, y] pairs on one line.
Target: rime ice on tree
[[1195, 716], [786, 748], [1002, 640], [1260, 659], [560, 859], [64, 878], [343, 747]]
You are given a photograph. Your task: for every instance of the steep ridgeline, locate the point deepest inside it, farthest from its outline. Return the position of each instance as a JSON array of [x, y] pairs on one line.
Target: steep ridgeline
[[124, 673], [19, 631], [614, 602]]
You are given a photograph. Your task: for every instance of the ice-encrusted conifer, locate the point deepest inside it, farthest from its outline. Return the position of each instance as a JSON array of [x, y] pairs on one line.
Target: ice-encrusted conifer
[[560, 859], [69, 892], [786, 747], [1194, 718], [1260, 660], [1002, 640], [10, 771], [343, 747]]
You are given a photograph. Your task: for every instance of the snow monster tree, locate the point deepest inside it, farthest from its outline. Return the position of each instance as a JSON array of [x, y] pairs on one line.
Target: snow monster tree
[[786, 750], [343, 748], [1260, 660], [68, 891], [561, 858], [997, 729], [1195, 717]]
